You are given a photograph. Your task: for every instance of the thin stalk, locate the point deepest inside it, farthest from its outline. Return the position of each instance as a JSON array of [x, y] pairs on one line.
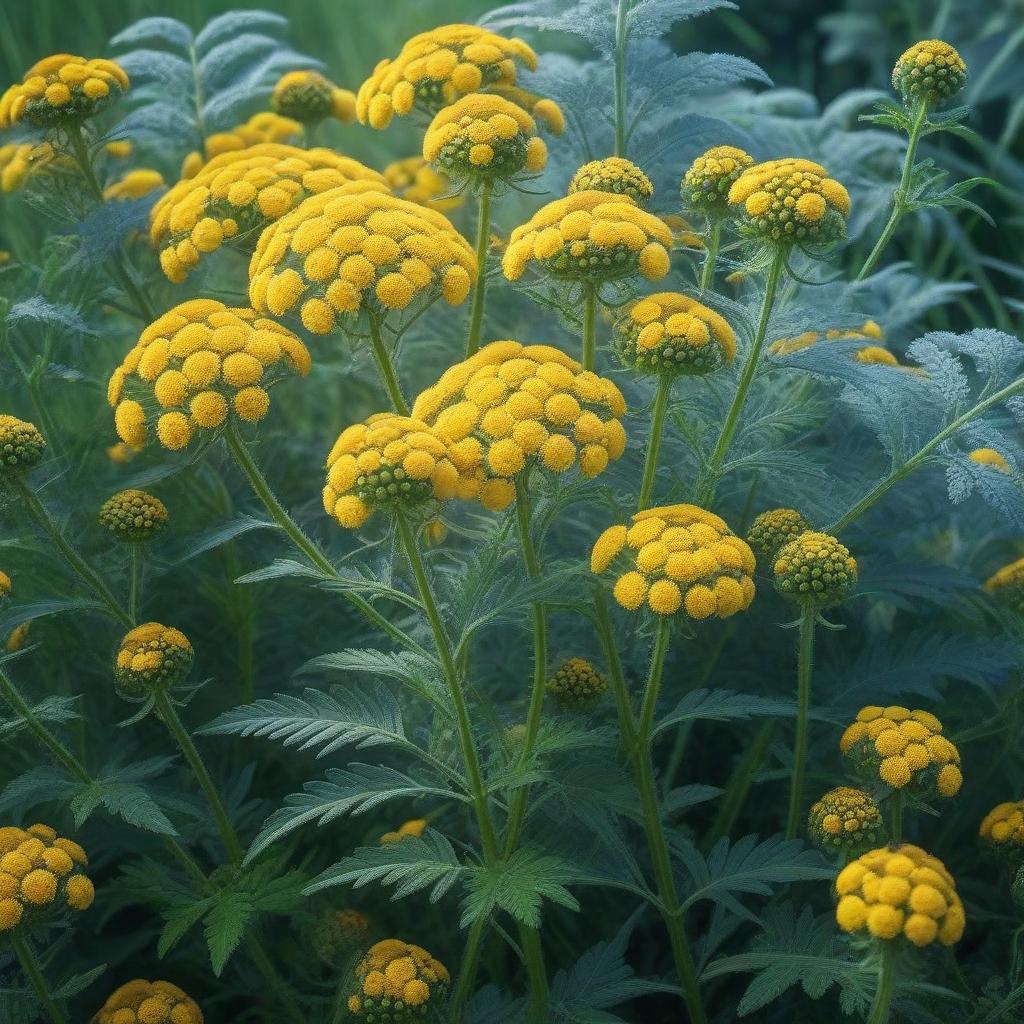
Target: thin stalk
[[886, 979], [589, 327], [467, 969], [658, 413], [135, 561], [533, 959], [386, 367], [896, 816], [483, 236], [623, 701], [739, 784], [620, 78], [899, 197], [804, 672], [707, 274], [85, 572], [746, 377], [29, 964], [177, 729]]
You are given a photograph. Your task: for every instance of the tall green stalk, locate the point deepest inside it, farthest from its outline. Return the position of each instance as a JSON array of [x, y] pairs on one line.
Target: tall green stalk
[[589, 359], [804, 672], [27, 958], [386, 367], [619, 82], [707, 274], [886, 984], [661, 396], [483, 236], [895, 816], [135, 563]]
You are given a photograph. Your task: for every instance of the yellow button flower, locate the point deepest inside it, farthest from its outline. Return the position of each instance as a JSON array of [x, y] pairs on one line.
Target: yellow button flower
[[845, 819], [29, 162], [133, 516], [706, 183], [21, 445], [576, 684], [929, 72], [308, 97], [414, 179], [1003, 828], [613, 174], [414, 827], [152, 658], [149, 1002], [62, 89], [395, 981], [266, 126], [815, 567], [1006, 584], [143, 181]]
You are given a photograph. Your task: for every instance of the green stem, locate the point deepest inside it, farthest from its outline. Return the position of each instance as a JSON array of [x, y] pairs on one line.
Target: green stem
[[134, 580], [886, 979], [589, 327], [899, 197], [707, 274], [533, 958], [620, 78], [86, 573], [750, 367], [483, 236], [804, 672], [623, 701], [27, 959], [386, 367], [467, 970], [658, 413], [896, 816], [739, 784], [177, 729]]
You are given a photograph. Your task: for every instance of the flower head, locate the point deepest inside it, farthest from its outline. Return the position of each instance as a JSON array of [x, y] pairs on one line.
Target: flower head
[[904, 749], [706, 183], [613, 174], [1006, 585], [544, 111], [679, 558], [930, 72], [434, 68], [308, 97], [512, 406], [236, 195], [143, 181], [60, 89], [389, 462], [773, 529], [5, 588], [815, 567], [339, 933], [899, 892], [845, 819], [22, 161], [152, 658], [593, 237], [1003, 829], [396, 981], [149, 1002], [195, 366], [672, 333], [133, 516], [21, 446], [414, 179], [41, 875], [576, 684], [990, 457], [415, 827], [791, 202], [482, 137], [266, 126], [338, 253]]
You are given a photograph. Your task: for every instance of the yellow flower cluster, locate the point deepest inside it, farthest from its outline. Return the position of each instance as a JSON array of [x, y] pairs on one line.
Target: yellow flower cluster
[[510, 406], [5, 588], [390, 462], [613, 174], [482, 137], [679, 557], [791, 201], [339, 252], [930, 72], [197, 364], [308, 97], [707, 181], [338, 933], [904, 749], [21, 160], [990, 457], [397, 981], [545, 111], [414, 179], [61, 89], [1003, 827], [414, 827], [21, 445], [772, 530], [148, 1002], [576, 684], [785, 346], [239, 193], [1006, 584], [435, 67], [266, 126], [815, 567], [40, 873], [845, 819], [133, 516], [671, 333], [135, 184], [152, 658], [900, 891], [591, 236]]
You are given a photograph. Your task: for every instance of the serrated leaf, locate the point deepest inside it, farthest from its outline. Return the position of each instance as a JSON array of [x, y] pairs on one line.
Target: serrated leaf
[[518, 885], [723, 706], [178, 921], [38, 310], [77, 983], [224, 926], [213, 537]]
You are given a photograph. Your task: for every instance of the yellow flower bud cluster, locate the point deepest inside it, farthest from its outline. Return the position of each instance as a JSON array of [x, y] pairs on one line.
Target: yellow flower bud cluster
[[5, 588], [591, 236], [671, 333], [1006, 584], [897, 892], [679, 558], [546, 112], [929, 72], [904, 749], [133, 516], [338, 252], [512, 406], [239, 193], [196, 365], [1003, 828], [40, 873], [415, 827], [772, 530], [790, 201], [436, 67], [21, 446], [786, 346], [61, 89], [414, 179], [136, 184], [19, 161], [845, 819], [338, 933], [391, 462], [152, 658], [481, 137], [707, 181], [149, 1002], [308, 97], [576, 684], [815, 567], [395, 982], [613, 174], [266, 126], [990, 457]]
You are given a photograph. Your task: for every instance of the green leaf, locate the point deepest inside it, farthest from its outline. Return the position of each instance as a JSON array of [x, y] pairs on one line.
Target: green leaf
[[723, 706], [178, 921], [222, 533], [225, 925], [54, 709], [685, 797], [77, 983]]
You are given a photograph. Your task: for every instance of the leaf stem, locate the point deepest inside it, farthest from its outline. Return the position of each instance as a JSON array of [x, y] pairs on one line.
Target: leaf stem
[[661, 396], [27, 958], [386, 367], [707, 274], [483, 235], [589, 327], [804, 672], [886, 979]]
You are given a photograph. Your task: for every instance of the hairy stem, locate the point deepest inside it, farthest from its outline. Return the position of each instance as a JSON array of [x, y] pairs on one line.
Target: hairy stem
[[27, 958], [619, 83], [886, 979], [804, 672], [386, 367], [483, 235], [658, 413], [135, 560], [623, 701], [714, 240], [589, 327]]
